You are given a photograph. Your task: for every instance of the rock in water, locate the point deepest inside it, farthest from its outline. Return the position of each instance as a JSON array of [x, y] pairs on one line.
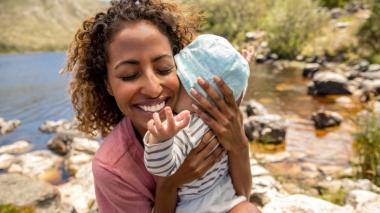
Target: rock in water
[[310, 69], [16, 147], [265, 129], [324, 119], [329, 83], [8, 126]]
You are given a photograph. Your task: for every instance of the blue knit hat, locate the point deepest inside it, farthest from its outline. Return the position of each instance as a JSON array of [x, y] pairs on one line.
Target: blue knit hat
[[209, 55]]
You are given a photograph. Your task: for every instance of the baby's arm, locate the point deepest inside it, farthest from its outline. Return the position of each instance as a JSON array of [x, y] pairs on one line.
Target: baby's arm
[[161, 154], [162, 131]]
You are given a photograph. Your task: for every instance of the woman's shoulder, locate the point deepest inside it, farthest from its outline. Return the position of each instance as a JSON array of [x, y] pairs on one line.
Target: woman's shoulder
[[116, 144]]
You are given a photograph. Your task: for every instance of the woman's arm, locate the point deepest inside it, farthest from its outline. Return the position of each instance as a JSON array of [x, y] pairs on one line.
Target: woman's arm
[[226, 122], [166, 195], [194, 166]]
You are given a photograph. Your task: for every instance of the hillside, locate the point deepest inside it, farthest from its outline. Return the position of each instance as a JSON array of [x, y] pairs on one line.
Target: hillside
[[42, 25]]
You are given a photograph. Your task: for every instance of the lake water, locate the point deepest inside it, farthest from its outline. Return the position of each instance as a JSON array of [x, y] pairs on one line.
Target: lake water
[[32, 90]]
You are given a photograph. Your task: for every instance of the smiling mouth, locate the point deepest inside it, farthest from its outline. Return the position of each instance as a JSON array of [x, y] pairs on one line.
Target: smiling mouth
[[153, 108]]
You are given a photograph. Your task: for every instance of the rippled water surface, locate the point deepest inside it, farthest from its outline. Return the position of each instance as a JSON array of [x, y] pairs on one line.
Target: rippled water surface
[[285, 93], [32, 91]]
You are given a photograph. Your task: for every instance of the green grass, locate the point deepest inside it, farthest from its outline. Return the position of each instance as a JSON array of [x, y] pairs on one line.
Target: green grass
[[347, 18], [367, 142], [375, 59], [291, 24], [336, 197], [9, 208]]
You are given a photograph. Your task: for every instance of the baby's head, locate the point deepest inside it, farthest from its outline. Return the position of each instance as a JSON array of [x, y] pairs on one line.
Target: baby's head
[[209, 55]]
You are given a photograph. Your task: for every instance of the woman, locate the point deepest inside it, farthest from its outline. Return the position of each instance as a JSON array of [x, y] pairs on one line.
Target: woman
[[123, 71]]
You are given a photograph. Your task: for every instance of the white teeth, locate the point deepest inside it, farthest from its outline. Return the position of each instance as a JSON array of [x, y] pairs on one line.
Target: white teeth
[[153, 108]]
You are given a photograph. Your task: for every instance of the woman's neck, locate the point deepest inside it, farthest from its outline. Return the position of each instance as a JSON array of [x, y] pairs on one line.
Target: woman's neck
[[139, 136]]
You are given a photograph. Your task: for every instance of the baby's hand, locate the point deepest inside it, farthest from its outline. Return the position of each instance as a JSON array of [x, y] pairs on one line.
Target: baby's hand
[[248, 53], [163, 130]]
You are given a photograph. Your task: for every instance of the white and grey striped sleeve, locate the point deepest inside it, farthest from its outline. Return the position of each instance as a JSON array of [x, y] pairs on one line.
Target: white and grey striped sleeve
[[195, 131], [158, 158], [164, 158]]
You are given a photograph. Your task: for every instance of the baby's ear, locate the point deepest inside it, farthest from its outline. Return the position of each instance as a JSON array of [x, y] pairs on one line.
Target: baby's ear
[[108, 86]]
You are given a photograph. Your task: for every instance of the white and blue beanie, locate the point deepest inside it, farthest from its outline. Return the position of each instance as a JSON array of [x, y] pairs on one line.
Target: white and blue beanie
[[209, 55]]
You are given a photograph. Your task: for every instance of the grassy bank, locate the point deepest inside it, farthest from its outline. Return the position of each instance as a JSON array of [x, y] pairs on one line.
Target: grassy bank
[[41, 25], [367, 142]]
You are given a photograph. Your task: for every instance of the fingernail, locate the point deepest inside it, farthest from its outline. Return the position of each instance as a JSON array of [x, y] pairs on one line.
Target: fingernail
[[216, 78], [200, 80], [193, 92], [194, 107]]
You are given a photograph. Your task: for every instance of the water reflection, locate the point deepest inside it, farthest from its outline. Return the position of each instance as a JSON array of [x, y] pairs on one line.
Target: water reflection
[[285, 93]]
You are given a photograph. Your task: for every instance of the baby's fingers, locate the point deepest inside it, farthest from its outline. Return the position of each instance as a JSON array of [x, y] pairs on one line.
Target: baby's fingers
[[151, 127], [182, 119], [169, 118], [157, 122]]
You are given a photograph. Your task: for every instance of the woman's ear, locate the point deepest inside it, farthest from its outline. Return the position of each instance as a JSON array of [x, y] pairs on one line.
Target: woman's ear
[[108, 86]]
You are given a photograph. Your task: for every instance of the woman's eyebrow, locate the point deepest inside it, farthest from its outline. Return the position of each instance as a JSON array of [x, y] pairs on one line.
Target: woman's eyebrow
[[128, 61], [161, 56], [134, 61]]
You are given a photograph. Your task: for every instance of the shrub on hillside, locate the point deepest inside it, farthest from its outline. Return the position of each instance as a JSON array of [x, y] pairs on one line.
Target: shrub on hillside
[[369, 33], [333, 3], [291, 23], [232, 19], [368, 147]]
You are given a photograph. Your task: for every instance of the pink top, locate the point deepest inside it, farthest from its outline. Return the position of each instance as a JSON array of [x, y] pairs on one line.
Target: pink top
[[122, 183]]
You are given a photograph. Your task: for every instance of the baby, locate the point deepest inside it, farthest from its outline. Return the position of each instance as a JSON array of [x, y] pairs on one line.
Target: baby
[[167, 143]]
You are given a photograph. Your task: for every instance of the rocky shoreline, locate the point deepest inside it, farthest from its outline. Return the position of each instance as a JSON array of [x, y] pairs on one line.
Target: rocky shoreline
[[34, 178]]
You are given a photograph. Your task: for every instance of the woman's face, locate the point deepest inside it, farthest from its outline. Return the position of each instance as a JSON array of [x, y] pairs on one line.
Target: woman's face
[[141, 72]]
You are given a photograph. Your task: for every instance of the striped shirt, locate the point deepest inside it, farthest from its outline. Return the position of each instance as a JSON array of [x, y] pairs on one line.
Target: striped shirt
[[164, 158]]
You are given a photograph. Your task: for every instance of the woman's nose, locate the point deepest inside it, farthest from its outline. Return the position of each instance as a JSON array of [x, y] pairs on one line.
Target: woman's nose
[[152, 86]]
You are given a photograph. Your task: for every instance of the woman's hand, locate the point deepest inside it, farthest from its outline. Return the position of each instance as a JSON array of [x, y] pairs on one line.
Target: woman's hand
[[199, 160], [225, 119], [226, 122]]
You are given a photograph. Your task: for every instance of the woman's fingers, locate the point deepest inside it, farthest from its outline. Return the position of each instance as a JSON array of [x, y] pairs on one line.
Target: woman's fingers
[[211, 92], [200, 159], [212, 123], [207, 148], [205, 155], [206, 105], [211, 159], [226, 91], [207, 138]]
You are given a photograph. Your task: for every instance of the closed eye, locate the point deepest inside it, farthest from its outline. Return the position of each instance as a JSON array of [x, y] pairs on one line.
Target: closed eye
[[166, 71], [129, 77]]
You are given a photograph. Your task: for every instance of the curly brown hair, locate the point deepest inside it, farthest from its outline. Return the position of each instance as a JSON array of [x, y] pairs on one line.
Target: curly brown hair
[[96, 110]]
